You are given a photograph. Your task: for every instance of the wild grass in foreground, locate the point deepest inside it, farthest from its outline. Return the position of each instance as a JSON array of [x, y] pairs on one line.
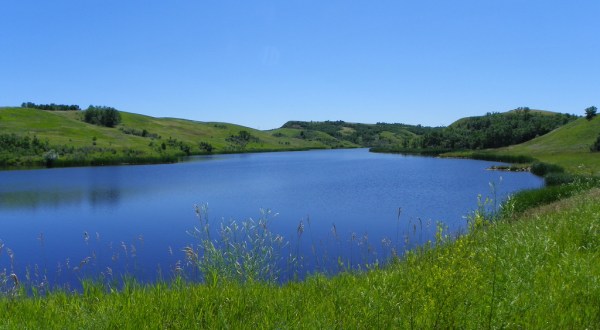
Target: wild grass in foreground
[[540, 271]]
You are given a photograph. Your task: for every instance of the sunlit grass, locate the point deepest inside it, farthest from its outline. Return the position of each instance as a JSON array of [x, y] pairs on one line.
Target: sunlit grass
[[568, 147]]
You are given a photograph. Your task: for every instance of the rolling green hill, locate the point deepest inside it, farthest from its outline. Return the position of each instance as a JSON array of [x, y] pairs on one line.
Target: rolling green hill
[[495, 130], [567, 146], [32, 137], [366, 135], [137, 139]]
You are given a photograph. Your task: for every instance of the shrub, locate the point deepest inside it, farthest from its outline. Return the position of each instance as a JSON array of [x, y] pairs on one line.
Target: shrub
[[541, 169], [596, 146], [556, 179], [206, 147]]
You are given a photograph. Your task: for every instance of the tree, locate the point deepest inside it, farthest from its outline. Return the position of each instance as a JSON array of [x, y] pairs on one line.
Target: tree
[[590, 112], [102, 116], [207, 147]]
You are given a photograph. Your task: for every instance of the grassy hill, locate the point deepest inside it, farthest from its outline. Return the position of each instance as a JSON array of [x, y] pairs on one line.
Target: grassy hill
[[32, 137], [492, 130], [567, 146], [366, 135], [137, 138]]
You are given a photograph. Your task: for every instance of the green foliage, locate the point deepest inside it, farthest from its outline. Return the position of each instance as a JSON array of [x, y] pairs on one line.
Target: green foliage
[[71, 137], [139, 132], [596, 146], [50, 107], [528, 199], [559, 178], [498, 157], [16, 150], [241, 139], [541, 169], [495, 130], [242, 252], [177, 144], [590, 112], [206, 147], [567, 146], [367, 135], [102, 116]]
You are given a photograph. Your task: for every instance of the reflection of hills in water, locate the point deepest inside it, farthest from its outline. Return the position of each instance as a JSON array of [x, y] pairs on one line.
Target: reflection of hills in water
[[31, 199]]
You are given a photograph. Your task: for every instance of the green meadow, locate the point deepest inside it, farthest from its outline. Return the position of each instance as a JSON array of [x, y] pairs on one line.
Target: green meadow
[[139, 138]]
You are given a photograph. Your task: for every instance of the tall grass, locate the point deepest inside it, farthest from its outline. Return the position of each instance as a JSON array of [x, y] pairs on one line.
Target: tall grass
[[241, 252]]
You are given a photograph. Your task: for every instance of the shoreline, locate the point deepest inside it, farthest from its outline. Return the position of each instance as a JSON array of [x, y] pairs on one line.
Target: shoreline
[[160, 160]]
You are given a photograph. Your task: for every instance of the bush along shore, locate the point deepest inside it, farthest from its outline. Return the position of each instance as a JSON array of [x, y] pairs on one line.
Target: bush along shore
[[531, 264]]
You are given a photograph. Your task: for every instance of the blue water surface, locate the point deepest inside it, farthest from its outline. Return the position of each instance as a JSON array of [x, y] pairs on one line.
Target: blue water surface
[[64, 224]]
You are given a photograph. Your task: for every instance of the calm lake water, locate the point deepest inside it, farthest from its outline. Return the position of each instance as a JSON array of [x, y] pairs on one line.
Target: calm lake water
[[137, 217]]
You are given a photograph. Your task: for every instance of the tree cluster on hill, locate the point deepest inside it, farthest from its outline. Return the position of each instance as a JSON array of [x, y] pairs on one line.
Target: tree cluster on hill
[[14, 147], [102, 116], [139, 132], [242, 139], [50, 107], [590, 112], [495, 130], [12, 143], [368, 135]]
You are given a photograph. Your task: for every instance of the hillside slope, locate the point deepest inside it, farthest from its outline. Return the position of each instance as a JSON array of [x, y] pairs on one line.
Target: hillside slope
[[567, 146], [137, 138], [366, 135]]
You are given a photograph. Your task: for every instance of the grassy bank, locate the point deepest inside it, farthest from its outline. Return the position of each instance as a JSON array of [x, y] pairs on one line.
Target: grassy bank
[[538, 271]]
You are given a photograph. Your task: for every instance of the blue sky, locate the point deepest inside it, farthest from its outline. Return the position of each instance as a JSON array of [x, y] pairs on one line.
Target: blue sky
[[262, 63]]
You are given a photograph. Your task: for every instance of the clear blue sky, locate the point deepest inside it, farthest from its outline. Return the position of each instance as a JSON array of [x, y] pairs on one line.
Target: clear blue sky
[[262, 63]]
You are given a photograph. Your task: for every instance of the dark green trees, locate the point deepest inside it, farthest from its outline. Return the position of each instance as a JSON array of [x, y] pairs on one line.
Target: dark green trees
[[590, 112], [495, 130], [242, 139], [50, 107], [102, 116], [596, 146]]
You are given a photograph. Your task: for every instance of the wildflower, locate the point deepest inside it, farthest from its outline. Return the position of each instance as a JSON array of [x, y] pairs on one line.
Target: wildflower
[[15, 279]]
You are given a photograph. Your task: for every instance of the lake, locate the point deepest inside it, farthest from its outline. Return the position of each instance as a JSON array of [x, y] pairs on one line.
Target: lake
[[64, 224]]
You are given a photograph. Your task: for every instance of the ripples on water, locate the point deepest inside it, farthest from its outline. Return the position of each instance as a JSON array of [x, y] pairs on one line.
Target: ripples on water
[[136, 218]]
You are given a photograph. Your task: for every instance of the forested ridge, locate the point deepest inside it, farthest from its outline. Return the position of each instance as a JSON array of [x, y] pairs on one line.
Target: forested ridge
[[495, 130], [492, 130], [366, 135]]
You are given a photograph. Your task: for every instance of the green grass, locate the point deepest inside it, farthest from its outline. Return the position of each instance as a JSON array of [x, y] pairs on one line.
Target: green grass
[[313, 137], [101, 145], [568, 147], [540, 271]]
